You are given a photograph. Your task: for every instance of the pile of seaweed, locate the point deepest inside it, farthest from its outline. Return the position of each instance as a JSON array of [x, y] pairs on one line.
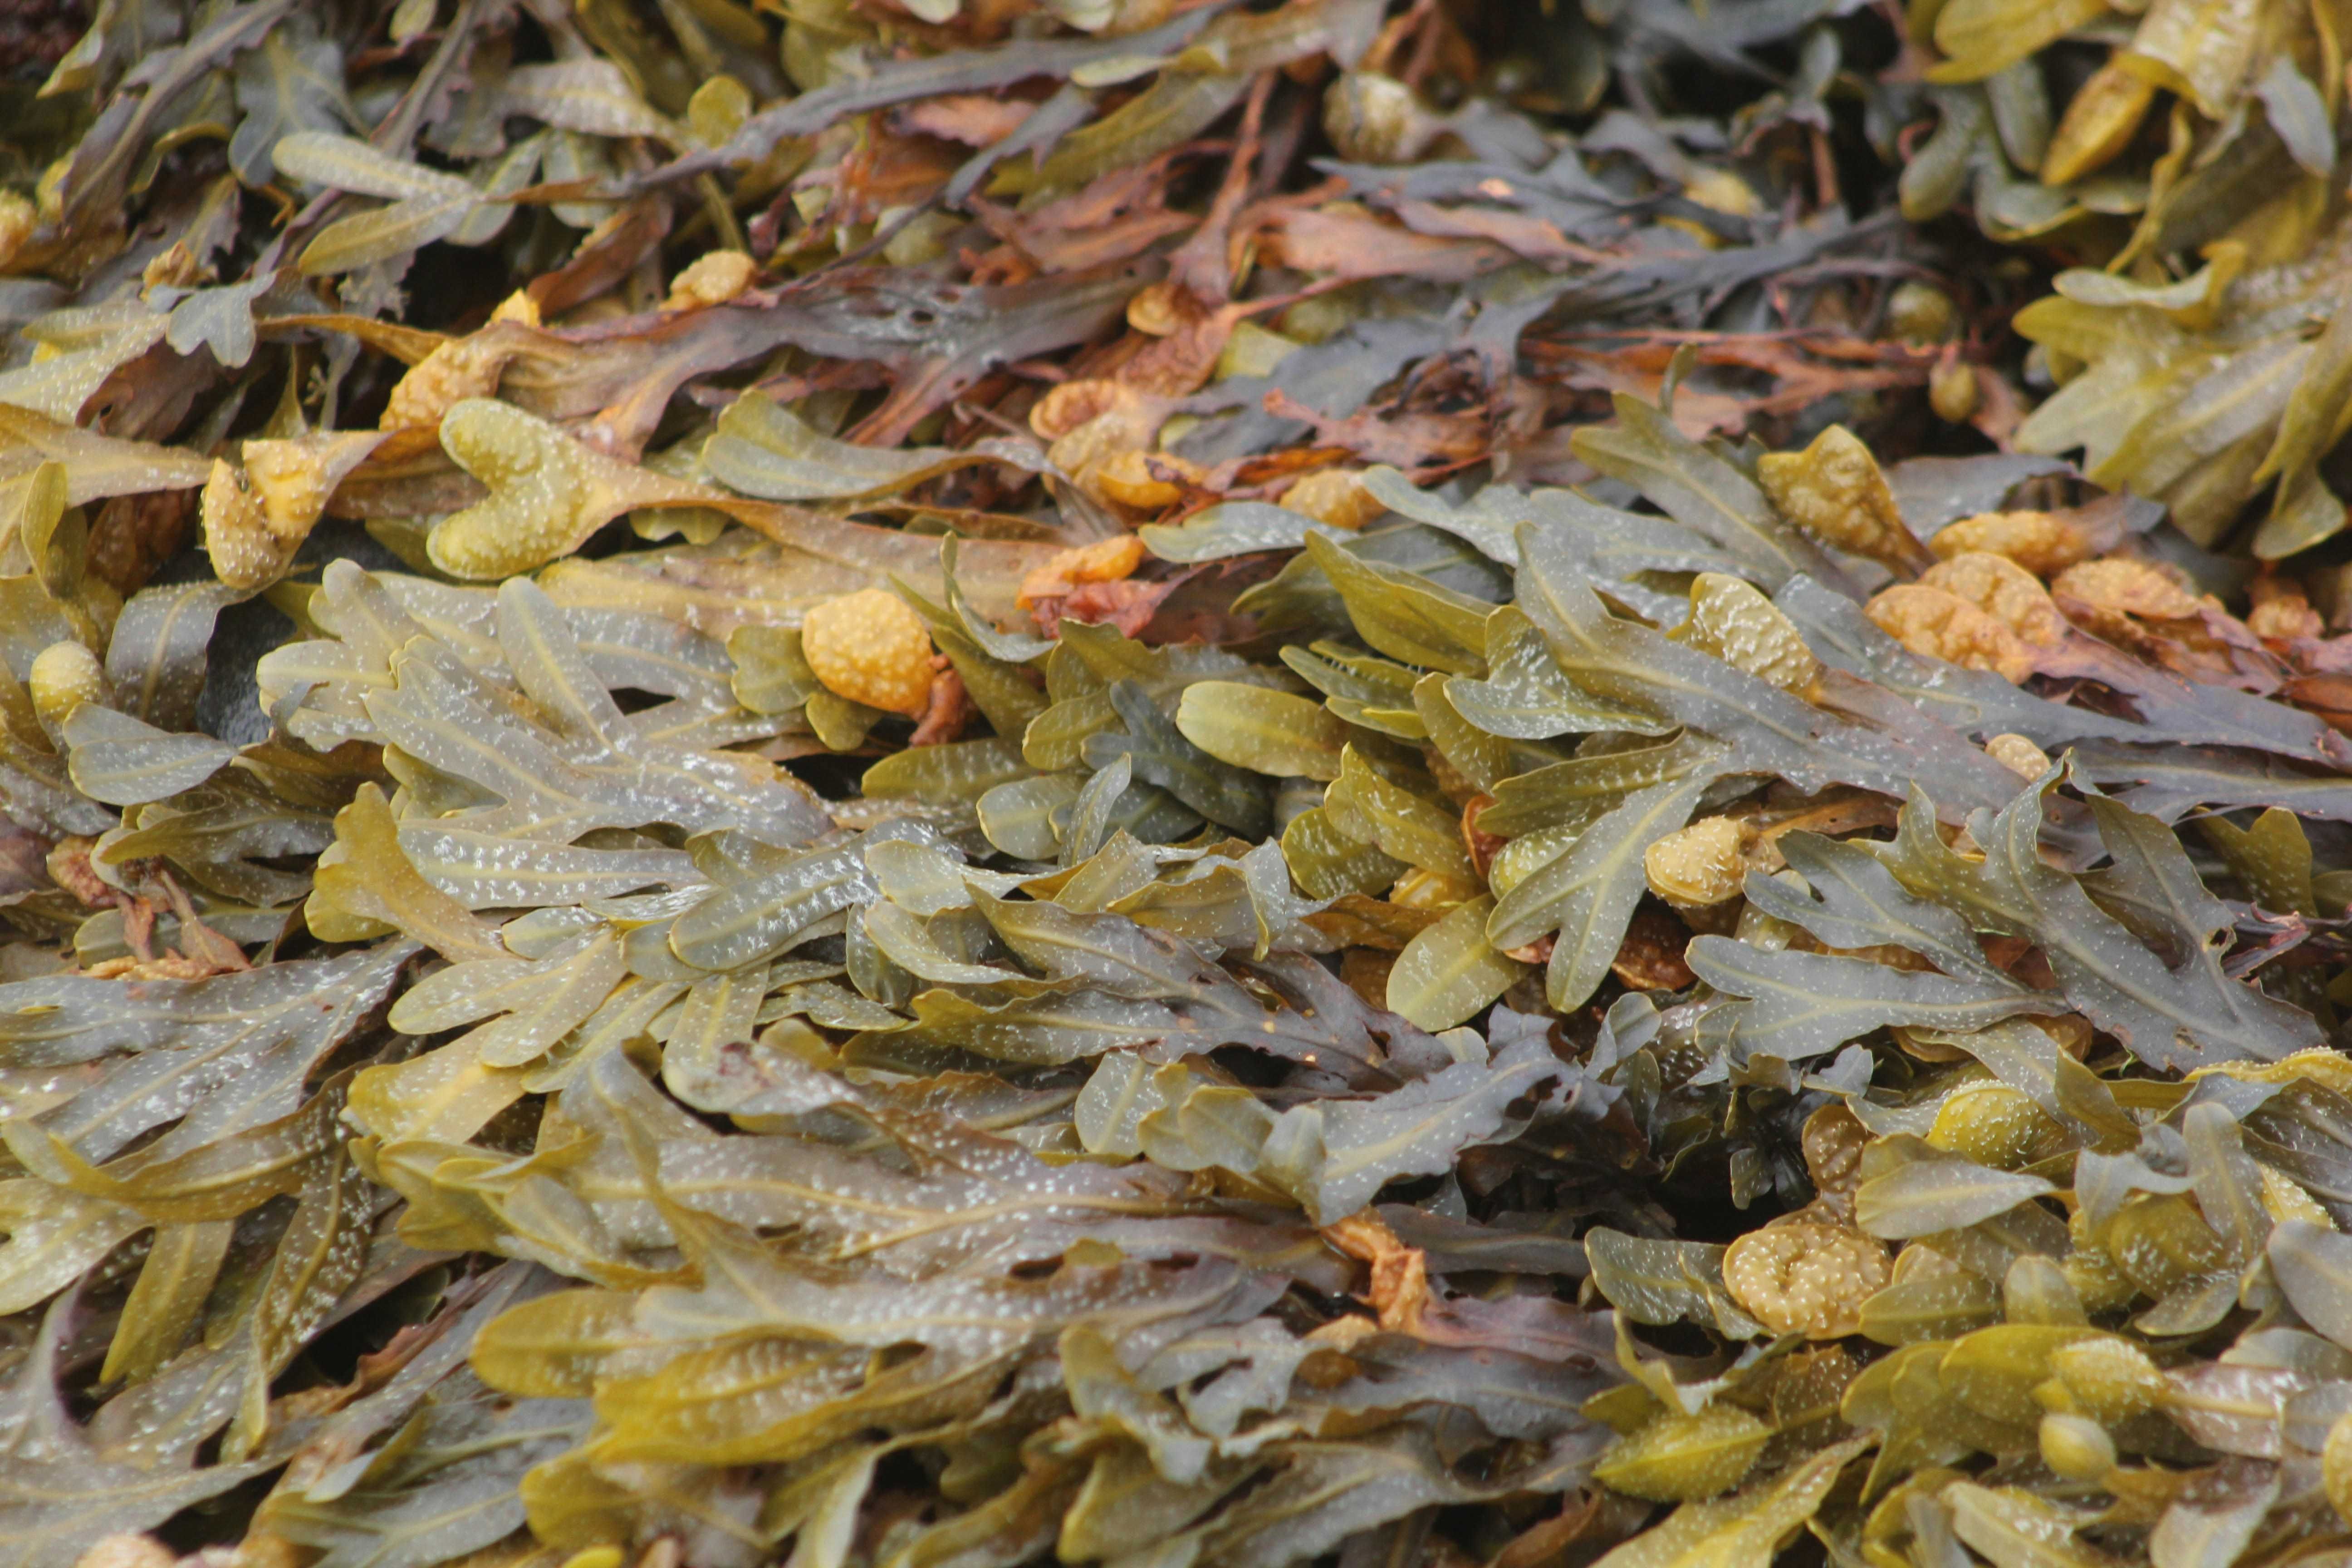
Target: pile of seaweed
[[1165, 783]]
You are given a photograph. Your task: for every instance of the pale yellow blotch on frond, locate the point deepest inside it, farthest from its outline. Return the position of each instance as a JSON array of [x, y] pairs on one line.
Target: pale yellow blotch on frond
[[1806, 1279], [711, 278], [1936, 623], [1699, 865], [1740, 626], [254, 523], [1105, 560], [1834, 490], [548, 492], [871, 647], [1334, 497], [2042, 543], [2018, 754], [63, 676]]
